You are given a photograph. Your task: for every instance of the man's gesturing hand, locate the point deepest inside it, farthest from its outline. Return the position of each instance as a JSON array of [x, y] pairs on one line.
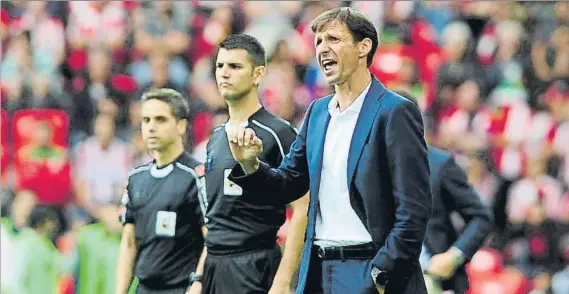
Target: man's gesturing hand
[[245, 147]]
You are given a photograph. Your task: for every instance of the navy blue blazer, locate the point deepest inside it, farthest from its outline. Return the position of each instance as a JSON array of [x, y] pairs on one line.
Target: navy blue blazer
[[388, 180], [453, 193]]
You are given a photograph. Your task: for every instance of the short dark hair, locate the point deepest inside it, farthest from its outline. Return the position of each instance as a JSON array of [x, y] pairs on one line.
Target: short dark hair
[[247, 43], [42, 213], [176, 101], [408, 96], [358, 24]]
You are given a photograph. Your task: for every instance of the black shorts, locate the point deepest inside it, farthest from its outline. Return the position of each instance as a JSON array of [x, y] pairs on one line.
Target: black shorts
[[250, 272], [147, 289]]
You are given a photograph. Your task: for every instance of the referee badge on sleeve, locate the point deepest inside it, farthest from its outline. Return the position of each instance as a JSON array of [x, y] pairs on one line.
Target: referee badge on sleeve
[[165, 223], [122, 208], [229, 187]]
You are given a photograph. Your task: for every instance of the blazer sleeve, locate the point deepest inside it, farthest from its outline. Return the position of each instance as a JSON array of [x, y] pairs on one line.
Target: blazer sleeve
[[282, 185], [409, 169], [461, 197]]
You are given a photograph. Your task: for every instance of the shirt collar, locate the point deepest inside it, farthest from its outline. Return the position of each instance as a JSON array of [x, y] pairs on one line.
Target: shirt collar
[[355, 107]]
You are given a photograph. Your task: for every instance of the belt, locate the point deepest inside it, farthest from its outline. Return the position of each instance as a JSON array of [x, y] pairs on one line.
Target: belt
[[154, 285], [364, 251]]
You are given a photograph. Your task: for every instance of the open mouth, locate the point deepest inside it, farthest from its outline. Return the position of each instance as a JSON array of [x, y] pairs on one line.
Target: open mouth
[[328, 64]]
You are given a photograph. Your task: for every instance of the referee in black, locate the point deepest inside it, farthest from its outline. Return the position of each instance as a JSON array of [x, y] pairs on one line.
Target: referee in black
[[242, 254], [163, 205]]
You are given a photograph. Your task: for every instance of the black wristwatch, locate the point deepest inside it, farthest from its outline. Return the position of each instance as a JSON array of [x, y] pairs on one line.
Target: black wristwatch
[[195, 277], [380, 278]]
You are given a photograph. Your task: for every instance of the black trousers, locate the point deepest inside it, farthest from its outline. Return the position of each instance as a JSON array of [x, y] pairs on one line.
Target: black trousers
[[250, 272], [143, 289]]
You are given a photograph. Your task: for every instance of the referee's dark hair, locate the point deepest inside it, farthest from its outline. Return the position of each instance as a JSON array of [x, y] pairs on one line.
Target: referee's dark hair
[[247, 43], [176, 101]]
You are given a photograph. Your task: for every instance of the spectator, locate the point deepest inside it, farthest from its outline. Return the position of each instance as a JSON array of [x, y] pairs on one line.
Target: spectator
[[457, 41], [506, 72], [484, 182], [47, 33], [97, 89], [43, 150], [550, 47], [538, 237], [98, 246], [408, 81], [159, 62], [164, 25], [464, 127], [42, 94], [16, 68], [279, 89], [96, 24], [38, 264], [535, 187], [20, 208], [101, 165]]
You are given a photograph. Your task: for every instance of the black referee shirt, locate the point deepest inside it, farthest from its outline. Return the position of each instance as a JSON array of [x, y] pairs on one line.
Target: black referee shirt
[[166, 206], [235, 223]]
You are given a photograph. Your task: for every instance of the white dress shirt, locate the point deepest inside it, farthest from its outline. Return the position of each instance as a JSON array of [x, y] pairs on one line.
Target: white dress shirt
[[337, 223]]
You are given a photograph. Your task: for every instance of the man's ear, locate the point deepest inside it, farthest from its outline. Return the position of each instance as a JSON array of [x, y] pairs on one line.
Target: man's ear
[[182, 126], [258, 74], [364, 47]]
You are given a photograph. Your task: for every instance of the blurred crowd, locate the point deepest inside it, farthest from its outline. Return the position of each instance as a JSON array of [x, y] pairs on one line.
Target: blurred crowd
[[491, 78]]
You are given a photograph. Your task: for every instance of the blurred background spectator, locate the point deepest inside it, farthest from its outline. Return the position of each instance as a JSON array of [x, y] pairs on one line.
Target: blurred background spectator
[[491, 78]]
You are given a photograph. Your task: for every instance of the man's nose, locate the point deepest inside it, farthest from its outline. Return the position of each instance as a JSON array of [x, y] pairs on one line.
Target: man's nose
[[151, 126], [225, 72], [322, 50]]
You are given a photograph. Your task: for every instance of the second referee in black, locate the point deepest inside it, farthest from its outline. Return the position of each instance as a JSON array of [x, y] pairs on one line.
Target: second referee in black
[[242, 253], [163, 205]]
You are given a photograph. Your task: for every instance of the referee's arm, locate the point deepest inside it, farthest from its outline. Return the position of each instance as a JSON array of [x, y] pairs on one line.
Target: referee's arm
[[293, 246], [297, 227], [126, 259], [196, 287], [128, 250]]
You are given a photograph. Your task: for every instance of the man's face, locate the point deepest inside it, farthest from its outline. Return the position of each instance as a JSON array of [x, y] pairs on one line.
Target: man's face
[[235, 74], [104, 129], [336, 52], [44, 134], [159, 126]]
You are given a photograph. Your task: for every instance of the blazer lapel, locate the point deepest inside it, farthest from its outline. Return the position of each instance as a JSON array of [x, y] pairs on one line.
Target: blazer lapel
[[363, 126], [320, 122]]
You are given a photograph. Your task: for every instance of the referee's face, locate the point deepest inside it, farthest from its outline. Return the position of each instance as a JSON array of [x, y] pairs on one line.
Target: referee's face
[[235, 74], [160, 129]]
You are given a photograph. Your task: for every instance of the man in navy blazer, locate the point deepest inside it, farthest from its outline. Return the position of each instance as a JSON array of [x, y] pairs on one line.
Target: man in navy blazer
[[449, 251], [445, 252], [362, 154]]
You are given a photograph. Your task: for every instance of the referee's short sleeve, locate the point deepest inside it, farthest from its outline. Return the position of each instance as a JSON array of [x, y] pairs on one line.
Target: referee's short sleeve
[[202, 198], [287, 136], [127, 213], [197, 190]]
